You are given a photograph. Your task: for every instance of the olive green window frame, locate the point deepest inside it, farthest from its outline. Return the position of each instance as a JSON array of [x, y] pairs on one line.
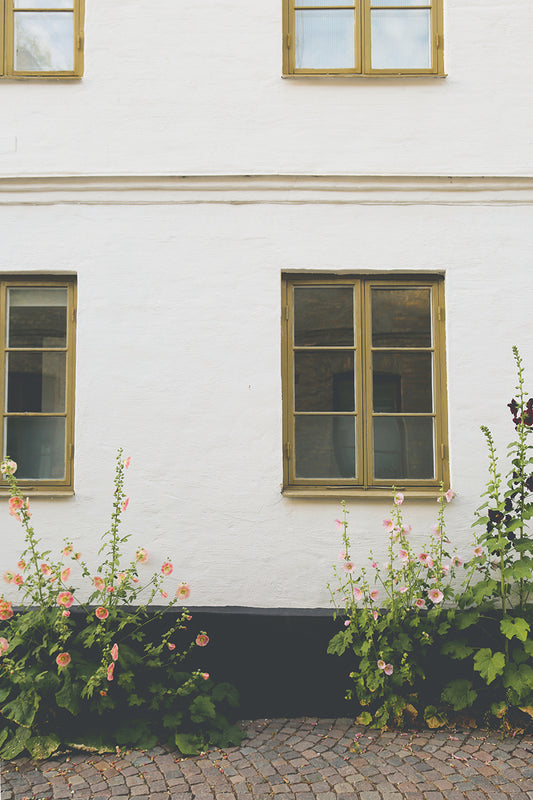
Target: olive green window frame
[[8, 12], [365, 485], [362, 45], [48, 486]]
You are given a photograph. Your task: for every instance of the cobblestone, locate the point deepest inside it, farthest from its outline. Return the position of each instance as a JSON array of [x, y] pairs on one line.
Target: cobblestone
[[300, 759]]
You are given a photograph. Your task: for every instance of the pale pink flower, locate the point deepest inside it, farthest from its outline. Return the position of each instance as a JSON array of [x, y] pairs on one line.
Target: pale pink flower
[[205, 676], [423, 557], [67, 551], [374, 594], [21, 564], [346, 623], [404, 555], [445, 568], [183, 591], [164, 594], [45, 569], [450, 494], [348, 566], [406, 530], [65, 575], [388, 524], [374, 565], [435, 595], [110, 670], [127, 462], [65, 599], [101, 612], [141, 555], [18, 580], [66, 612], [403, 589], [63, 660], [389, 669], [171, 646], [339, 524], [429, 562], [478, 551], [99, 582], [435, 530], [398, 498], [420, 602], [167, 568], [114, 652], [202, 639], [375, 614], [342, 555], [381, 664], [8, 467], [357, 593], [125, 504], [4, 645], [120, 577], [8, 576], [457, 561]]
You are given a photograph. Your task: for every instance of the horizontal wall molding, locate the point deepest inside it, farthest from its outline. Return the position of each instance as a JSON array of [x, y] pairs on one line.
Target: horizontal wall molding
[[266, 189]]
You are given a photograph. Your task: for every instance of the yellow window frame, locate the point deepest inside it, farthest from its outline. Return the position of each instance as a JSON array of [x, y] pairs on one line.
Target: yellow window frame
[[365, 484], [46, 486], [7, 40], [362, 46]]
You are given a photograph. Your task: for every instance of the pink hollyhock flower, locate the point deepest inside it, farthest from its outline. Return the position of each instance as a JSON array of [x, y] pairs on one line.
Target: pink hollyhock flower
[[141, 555], [450, 494], [457, 561], [348, 566], [65, 599], [183, 591], [389, 669], [435, 595], [478, 551], [202, 639], [4, 645], [423, 557], [171, 646], [342, 555], [45, 569], [101, 612], [164, 594], [420, 602], [388, 524], [126, 503], [357, 593], [127, 462], [15, 504], [99, 582], [110, 589], [406, 530], [18, 580], [110, 670], [375, 614], [339, 524], [398, 498], [67, 551], [66, 613], [167, 568], [346, 623], [374, 594], [205, 676], [404, 555], [8, 467], [403, 589], [120, 577], [445, 568], [374, 565], [6, 612], [429, 562], [381, 664], [8, 576], [435, 530], [114, 652], [65, 575], [21, 564], [63, 660]]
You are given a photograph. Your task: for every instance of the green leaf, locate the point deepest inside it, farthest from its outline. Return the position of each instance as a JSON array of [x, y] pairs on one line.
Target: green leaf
[[489, 665], [457, 649], [189, 743], [4, 693], [459, 694], [515, 627], [518, 679], [68, 697], [41, 747], [16, 744], [364, 719], [202, 708], [4, 733], [172, 720], [522, 568], [227, 692], [466, 618], [22, 709], [528, 647], [337, 644], [484, 589]]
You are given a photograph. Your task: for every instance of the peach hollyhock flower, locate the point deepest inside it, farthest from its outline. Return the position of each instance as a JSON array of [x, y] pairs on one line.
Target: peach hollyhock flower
[[435, 595], [450, 494], [171, 646], [63, 660], [6, 612], [357, 593], [388, 669], [45, 569], [65, 599], [114, 652], [478, 551], [167, 568], [8, 467], [205, 676], [110, 589], [141, 555], [374, 594], [127, 462], [4, 645], [101, 612], [348, 566], [423, 557], [65, 575], [8, 576], [420, 602], [18, 580], [110, 670], [77, 556], [21, 564], [125, 504], [66, 613], [381, 664], [398, 498], [99, 582], [15, 504], [183, 591], [67, 550], [163, 594], [202, 639]]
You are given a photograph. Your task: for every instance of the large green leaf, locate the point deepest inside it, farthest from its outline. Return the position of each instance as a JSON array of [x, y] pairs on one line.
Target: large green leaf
[[16, 744], [227, 692], [41, 747], [189, 743], [459, 694], [489, 665], [337, 644], [201, 709], [515, 627], [466, 618], [22, 709], [68, 696], [457, 649]]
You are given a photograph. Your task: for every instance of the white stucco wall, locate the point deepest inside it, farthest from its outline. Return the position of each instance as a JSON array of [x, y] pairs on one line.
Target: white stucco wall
[[179, 362]]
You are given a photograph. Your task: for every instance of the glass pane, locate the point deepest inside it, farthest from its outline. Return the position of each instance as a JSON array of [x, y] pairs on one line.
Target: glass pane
[[401, 39], [323, 315], [325, 39], [38, 446], [44, 4], [36, 382], [322, 3], [399, 3], [324, 381], [325, 447], [403, 448], [37, 317], [44, 42], [402, 382], [401, 317]]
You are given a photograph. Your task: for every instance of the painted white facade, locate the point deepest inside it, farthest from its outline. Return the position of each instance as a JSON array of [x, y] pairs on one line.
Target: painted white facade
[[178, 179]]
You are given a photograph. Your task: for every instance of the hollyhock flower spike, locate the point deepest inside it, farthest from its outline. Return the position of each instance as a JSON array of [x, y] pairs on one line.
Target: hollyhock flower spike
[[8, 467], [110, 670], [63, 660], [202, 639], [4, 645], [141, 555], [398, 498], [101, 612], [114, 652], [167, 568], [389, 669], [435, 595]]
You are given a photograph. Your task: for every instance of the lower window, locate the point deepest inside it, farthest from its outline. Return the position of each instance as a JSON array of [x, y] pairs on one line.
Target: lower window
[[38, 320], [364, 384]]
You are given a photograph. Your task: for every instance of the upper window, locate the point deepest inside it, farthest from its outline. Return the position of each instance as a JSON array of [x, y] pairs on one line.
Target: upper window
[[37, 340], [41, 38], [363, 37], [364, 384]]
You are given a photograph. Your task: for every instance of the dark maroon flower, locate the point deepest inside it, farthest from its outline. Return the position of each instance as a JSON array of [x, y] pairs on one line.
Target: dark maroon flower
[[511, 536], [527, 417], [529, 483], [508, 504], [495, 515], [513, 405]]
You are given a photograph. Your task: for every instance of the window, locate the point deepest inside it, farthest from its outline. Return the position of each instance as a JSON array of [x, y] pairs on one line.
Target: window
[[41, 38], [363, 37], [364, 384], [38, 375]]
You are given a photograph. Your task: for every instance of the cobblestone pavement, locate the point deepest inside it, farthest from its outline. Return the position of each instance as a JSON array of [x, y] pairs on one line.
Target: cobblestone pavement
[[301, 759]]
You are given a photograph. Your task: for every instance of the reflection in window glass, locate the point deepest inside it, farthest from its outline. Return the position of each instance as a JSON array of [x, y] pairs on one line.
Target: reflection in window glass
[[403, 448], [325, 447], [401, 39], [44, 42], [37, 444], [325, 39]]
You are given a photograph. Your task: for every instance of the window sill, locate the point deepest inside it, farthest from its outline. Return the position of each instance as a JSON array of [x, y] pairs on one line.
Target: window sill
[[358, 76], [34, 491], [431, 493]]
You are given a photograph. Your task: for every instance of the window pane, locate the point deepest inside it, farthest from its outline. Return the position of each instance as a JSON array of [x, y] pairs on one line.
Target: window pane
[[322, 3], [325, 39], [401, 39], [324, 381], [44, 4], [323, 316], [401, 317], [403, 448], [44, 42], [37, 445], [37, 317], [400, 3], [325, 447], [36, 382], [402, 382]]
